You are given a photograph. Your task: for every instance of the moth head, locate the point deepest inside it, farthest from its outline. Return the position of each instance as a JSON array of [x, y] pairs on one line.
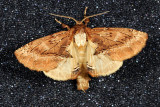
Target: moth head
[[79, 22]]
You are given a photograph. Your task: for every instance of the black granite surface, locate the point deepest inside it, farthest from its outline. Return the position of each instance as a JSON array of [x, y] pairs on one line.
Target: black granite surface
[[136, 84]]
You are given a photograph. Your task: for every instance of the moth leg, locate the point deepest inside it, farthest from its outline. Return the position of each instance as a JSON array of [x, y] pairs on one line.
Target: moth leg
[[63, 25], [87, 20]]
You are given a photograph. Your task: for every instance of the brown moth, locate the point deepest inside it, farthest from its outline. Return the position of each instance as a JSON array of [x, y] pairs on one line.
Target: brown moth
[[81, 51]]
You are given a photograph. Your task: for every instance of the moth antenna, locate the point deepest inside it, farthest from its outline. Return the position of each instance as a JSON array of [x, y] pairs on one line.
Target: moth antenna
[[77, 22], [94, 15]]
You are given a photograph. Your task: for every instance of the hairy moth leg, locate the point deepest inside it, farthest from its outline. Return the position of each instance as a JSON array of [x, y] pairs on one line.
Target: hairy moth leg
[[63, 25]]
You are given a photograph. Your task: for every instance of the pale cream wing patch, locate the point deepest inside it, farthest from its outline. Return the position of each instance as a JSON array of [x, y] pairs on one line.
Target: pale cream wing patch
[[101, 64], [67, 69]]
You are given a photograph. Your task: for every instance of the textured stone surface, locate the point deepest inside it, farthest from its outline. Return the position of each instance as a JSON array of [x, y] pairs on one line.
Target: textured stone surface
[[137, 83]]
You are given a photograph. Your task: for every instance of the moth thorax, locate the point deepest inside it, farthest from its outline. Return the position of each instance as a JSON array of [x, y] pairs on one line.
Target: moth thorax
[[80, 39]]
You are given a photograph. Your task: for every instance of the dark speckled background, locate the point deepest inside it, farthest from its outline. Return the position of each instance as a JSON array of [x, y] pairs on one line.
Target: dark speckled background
[[136, 84]]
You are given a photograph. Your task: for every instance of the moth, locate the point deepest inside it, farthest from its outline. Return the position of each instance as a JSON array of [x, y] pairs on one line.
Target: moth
[[81, 51]]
